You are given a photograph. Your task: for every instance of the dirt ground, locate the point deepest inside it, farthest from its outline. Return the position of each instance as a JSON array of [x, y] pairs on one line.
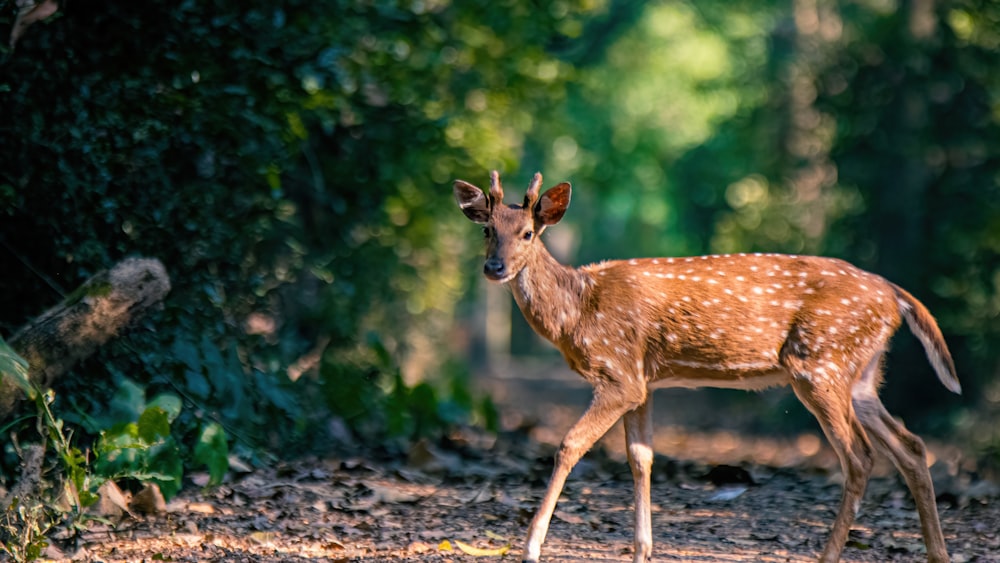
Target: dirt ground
[[719, 494]]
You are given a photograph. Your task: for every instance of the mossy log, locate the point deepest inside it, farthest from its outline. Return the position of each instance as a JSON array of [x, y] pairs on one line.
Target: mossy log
[[93, 314]]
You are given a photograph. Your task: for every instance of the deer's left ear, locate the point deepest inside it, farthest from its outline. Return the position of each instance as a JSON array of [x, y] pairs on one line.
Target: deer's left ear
[[472, 201], [553, 204]]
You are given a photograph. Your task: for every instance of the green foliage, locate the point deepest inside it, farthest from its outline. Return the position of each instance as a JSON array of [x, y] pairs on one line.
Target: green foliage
[[367, 390], [212, 450], [136, 441], [295, 184], [24, 527], [13, 366]]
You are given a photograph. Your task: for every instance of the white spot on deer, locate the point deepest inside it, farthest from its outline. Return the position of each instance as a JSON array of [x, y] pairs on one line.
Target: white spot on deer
[[656, 261], [670, 260], [753, 268], [832, 330], [758, 291], [689, 259], [696, 279], [645, 273], [740, 278], [706, 303], [743, 299], [633, 262], [863, 287], [599, 316], [681, 277], [686, 298], [671, 337]]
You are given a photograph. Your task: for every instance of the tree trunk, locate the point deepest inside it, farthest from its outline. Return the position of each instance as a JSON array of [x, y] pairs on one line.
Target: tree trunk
[[97, 311]]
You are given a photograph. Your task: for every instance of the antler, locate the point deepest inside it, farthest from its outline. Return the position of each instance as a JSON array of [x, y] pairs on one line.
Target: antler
[[532, 194], [496, 190]]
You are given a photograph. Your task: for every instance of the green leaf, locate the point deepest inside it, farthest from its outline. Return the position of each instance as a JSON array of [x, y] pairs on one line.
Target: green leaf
[[153, 425], [170, 403], [213, 451], [15, 367]]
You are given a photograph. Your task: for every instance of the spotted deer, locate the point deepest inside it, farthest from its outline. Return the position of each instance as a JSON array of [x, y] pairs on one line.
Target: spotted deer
[[742, 321]]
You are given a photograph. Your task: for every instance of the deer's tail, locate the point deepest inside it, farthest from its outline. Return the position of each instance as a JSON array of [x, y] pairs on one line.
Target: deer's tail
[[925, 328]]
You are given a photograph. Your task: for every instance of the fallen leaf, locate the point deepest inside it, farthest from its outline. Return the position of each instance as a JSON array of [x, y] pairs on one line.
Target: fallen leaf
[[568, 517], [727, 493], [479, 552], [149, 500], [263, 538], [419, 547], [112, 503], [444, 546], [201, 508]]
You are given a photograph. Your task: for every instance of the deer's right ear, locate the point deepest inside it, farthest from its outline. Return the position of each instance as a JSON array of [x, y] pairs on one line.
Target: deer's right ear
[[472, 201], [553, 204]]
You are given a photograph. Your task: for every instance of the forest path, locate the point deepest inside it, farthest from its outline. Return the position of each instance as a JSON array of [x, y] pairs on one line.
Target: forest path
[[772, 500]]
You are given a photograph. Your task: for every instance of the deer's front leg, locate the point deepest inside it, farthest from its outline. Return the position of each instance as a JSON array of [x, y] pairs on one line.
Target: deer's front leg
[[639, 441], [605, 409]]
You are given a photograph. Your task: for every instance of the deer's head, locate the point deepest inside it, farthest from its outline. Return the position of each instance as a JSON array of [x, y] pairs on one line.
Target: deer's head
[[511, 231]]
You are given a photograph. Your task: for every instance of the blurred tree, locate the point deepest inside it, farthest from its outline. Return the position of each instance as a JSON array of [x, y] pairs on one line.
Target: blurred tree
[[862, 131], [288, 163]]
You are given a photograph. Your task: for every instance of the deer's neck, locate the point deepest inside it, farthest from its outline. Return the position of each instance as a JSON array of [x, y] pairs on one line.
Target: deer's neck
[[550, 295]]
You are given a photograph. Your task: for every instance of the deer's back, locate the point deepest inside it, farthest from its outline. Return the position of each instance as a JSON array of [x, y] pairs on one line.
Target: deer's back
[[710, 317]]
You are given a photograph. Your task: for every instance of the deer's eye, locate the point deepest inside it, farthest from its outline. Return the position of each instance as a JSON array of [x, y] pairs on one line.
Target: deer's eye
[[486, 232], [528, 235]]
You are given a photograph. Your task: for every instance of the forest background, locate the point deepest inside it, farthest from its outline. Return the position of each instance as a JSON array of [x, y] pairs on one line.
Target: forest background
[[291, 164]]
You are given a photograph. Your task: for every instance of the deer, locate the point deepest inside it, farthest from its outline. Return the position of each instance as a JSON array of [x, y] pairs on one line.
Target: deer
[[737, 321]]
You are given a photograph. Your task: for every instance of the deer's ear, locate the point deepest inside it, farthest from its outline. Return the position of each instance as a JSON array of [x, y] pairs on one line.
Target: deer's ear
[[472, 202], [553, 204]]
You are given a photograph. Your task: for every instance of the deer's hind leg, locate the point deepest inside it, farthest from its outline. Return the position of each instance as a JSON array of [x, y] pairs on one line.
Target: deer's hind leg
[[907, 452], [825, 390]]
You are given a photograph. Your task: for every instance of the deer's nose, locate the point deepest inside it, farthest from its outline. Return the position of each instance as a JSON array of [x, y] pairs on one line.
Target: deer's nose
[[494, 269]]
